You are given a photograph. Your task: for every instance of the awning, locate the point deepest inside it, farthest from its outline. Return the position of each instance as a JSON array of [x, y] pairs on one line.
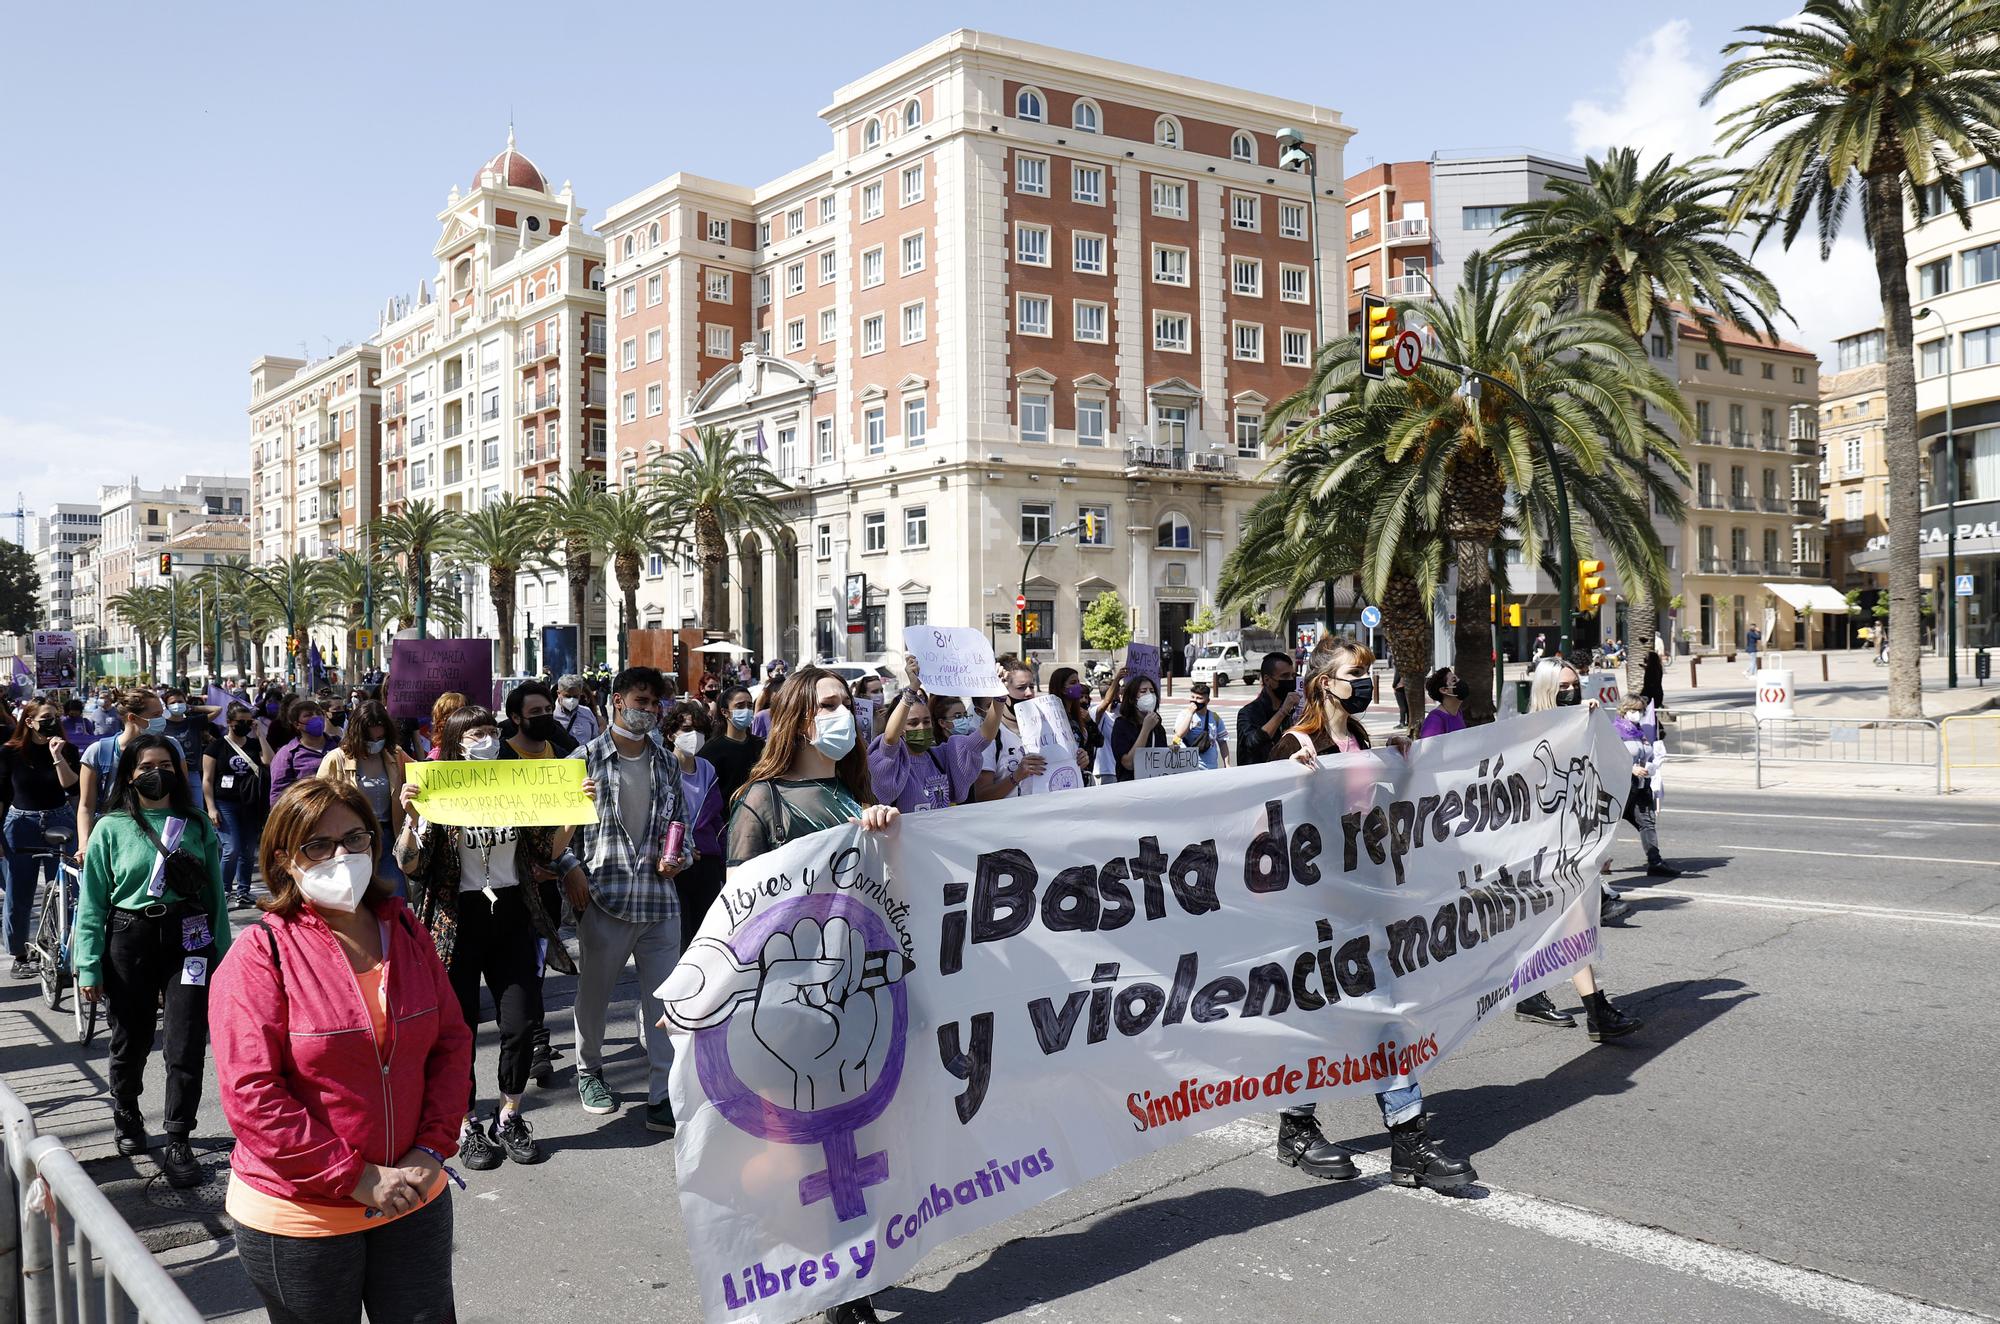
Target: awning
[[1822, 598]]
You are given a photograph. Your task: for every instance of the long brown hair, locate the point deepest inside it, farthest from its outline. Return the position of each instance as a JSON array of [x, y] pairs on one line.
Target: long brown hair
[[793, 712], [1128, 703], [291, 824], [25, 728], [467, 717], [354, 740], [1331, 654]]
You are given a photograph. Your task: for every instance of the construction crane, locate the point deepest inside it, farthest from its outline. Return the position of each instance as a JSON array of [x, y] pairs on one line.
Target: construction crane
[[19, 514]]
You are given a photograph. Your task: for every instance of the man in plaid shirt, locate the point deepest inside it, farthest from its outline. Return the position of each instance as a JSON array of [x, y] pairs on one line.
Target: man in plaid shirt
[[627, 903]]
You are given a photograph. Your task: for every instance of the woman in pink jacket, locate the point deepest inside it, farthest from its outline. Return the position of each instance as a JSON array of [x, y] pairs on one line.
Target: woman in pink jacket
[[342, 1058]]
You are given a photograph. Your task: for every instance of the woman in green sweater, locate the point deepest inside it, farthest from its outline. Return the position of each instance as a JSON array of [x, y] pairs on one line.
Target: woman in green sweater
[[151, 923]]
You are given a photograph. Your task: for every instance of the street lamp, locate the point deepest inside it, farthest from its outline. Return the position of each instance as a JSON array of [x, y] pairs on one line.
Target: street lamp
[[1021, 613], [1294, 155], [1950, 593]]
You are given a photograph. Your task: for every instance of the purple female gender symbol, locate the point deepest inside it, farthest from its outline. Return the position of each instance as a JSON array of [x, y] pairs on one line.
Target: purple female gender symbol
[[847, 1173]]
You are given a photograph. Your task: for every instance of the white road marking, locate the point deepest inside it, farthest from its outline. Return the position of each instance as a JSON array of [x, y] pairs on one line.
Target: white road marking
[[1828, 908], [1835, 818], [1848, 855], [1742, 1270]]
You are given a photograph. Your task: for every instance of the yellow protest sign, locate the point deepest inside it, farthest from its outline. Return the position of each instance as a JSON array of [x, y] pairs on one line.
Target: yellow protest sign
[[496, 793]]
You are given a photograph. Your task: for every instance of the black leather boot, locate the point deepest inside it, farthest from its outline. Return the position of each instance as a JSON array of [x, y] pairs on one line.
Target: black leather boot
[[1538, 1010], [1302, 1145], [1604, 1021], [1415, 1161]]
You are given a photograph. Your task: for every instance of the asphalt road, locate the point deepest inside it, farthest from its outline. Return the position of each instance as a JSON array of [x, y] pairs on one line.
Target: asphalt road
[[1804, 1130]]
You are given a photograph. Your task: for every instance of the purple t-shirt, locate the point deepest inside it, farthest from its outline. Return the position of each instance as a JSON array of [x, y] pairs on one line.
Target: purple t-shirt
[[760, 725], [706, 806], [294, 763], [938, 778], [1437, 722]]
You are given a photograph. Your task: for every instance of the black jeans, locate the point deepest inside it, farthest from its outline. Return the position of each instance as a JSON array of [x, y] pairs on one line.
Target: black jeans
[[699, 888], [146, 956], [496, 944], [401, 1271]]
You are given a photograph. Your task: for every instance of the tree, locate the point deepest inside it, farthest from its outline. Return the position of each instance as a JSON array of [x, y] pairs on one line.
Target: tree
[[567, 518], [145, 612], [413, 536], [1637, 245], [708, 492], [291, 591], [1877, 97], [1106, 623], [349, 580], [502, 536], [20, 590], [1202, 622], [629, 524], [1451, 458]]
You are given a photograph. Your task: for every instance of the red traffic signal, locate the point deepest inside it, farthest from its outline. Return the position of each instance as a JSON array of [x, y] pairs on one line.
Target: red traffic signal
[[167, 564]]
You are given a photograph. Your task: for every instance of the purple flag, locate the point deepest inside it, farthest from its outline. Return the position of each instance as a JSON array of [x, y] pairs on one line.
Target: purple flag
[[759, 438], [315, 668], [219, 699]]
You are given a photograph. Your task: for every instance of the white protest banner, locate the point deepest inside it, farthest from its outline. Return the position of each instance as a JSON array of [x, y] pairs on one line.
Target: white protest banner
[[1142, 660], [955, 660], [886, 1041], [1045, 730], [1162, 761]]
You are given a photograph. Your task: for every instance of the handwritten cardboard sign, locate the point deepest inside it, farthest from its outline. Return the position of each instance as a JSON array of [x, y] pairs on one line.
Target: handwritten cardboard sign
[[954, 659], [1045, 730], [1162, 761], [1142, 660], [503, 793], [422, 669]]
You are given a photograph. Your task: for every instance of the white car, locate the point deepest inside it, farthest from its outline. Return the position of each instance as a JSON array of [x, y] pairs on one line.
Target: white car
[[1218, 664]]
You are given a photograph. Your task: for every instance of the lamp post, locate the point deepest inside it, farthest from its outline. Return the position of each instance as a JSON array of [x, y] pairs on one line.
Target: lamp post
[[1950, 593], [1021, 618], [1294, 155]]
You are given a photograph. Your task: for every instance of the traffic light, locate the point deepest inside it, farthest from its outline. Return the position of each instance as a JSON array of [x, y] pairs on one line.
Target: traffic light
[[1589, 585], [166, 565], [1378, 336], [1089, 526], [1514, 614]]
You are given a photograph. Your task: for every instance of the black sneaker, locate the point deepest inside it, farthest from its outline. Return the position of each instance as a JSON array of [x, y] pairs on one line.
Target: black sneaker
[[859, 1311], [514, 1135], [1661, 869], [23, 968], [131, 1130], [177, 1160], [476, 1150]]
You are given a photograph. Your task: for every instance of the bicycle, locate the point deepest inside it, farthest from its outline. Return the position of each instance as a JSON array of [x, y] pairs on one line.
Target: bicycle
[[55, 938]]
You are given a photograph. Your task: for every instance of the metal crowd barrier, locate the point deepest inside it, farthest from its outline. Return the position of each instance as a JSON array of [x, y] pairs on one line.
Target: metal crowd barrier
[[65, 1254], [1870, 742], [1706, 735], [1970, 741]]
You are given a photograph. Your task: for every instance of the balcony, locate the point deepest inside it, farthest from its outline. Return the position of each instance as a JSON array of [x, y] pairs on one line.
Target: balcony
[[1711, 501], [594, 398], [1154, 455], [1810, 507], [1708, 437], [395, 409], [1741, 441], [1774, 505], [1742, 501], [532, 403], [1808, 446], [594, 344], [1407, 287], [490, 412], [453, 383], [1771, 441], [534, 351], [1409, 230], [453, 430]]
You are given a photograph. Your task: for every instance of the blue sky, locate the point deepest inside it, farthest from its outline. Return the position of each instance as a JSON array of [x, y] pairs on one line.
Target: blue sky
[[199, 184]]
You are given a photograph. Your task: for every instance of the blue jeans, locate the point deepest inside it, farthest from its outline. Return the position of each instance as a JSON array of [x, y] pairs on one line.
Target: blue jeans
[[242, 833], [385, 865], [1398, 1106], [23, 833]]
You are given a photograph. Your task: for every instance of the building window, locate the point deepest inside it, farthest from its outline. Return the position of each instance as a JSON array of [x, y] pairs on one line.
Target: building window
[[823, 441], [913, 113], [1770, 370], [913, 184], [913, 253], [1170, 265], [1293, 284], [1087, 254], [828, 209], [829, 324], [1175, 532], [1851, 504], [795, 335], [1031, 175], [913, 322], [1250, 341], [1034, 416], [823, 542], [1031, 314], [872, 334], [871, 134], [1244, 211], [1858, 351], [1656, 345], [653, 291], [916, 526], [1292, 220], [1167, 132], [1101, 536], [1933, 279], [1294, 348], [1090, 421], [1086, 184], [1170, 199], [1170, 331], [1170, 424], [1038, 521], [874, 430], [1249, 434], [795, 221], [629, 297], [1701, 363], [1246, 276], [763, 234], [1798, 376], [718, 230], [1981, 347], [762, 288], [1084, 116], [871, 200], [655, 399], [718, 341], [871, 267], [829, 266], [1733, 365], [489, 454], [628, 353], [1031, 245], [1028, 105], [1090, 322], [1482, 218], [1978, 266], [628, 407], [916, 421], [655, 345], [874, 532], [795, 278], [1242, 147]]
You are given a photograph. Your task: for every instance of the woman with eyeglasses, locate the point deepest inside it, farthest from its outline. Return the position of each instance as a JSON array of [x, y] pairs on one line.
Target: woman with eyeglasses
[[151, 921], [476, 890], [342, 1056]]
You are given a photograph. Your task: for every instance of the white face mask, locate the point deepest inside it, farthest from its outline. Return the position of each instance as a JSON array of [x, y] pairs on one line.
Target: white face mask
[[485, 747], [636, 722], [338, 883], [689, 743], [568, 702], [1148, 702], [376, 746], [833, 733]]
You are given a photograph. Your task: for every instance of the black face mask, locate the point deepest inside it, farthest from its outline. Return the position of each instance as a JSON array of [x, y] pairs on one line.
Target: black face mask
[[1364, 694], [48, 726], [157, 783], [240, 728], [1569, 696], [543, 727]]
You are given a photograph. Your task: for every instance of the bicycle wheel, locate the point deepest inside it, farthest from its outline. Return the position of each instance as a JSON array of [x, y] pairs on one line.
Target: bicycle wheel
[[47, 945]]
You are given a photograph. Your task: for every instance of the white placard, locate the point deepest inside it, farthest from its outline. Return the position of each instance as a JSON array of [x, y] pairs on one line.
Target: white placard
[[955, 660], [1045, 730], [1162, 761]]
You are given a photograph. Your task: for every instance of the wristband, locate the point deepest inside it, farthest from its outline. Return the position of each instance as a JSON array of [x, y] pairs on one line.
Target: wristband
[[445, 1167]]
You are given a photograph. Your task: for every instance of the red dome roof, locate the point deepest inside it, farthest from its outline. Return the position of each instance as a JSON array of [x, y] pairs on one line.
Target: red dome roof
[[514, 169]]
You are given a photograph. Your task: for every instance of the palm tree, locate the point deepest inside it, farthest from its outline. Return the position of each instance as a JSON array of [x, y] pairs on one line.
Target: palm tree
[[629, 524], [413, 536], [567, 516], [714, 489], [1453, 457], [1642, 246], [145, 610], [1879, 96], [502, 536], [290, 591]]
